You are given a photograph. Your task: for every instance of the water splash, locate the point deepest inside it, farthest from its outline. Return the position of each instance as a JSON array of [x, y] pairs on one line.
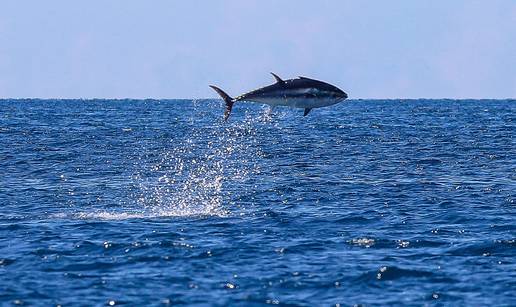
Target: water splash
[[195, 175], [201, 170]]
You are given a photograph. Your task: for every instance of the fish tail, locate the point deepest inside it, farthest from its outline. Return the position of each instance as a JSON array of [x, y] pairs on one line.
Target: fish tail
[[227, 99]]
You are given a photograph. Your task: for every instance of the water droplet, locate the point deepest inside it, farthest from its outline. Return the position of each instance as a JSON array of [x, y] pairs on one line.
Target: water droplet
[[280, 250], [383, 269], [230, 286], [403, 244], [366, 242]]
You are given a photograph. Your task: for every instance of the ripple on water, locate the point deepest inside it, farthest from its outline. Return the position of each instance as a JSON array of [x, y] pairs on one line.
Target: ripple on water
[[150, 202]]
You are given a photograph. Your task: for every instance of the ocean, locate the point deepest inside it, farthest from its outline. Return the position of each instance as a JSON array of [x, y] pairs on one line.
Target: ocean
[[160, 202]]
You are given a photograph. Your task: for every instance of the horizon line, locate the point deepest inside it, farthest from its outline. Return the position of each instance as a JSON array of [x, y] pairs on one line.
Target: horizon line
[[217, 98]]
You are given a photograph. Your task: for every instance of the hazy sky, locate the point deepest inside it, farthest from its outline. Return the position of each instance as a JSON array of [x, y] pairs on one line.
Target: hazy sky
[[174, 49]]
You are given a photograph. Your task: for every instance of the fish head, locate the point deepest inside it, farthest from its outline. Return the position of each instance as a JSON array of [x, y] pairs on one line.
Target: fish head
[[329, 91], [332, 94], [337, 94]]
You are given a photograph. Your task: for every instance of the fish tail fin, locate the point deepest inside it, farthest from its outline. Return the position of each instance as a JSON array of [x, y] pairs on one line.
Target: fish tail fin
[[227, 99]]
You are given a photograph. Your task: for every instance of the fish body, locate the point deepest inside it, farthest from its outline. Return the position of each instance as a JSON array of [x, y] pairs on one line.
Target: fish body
[[304, 93]]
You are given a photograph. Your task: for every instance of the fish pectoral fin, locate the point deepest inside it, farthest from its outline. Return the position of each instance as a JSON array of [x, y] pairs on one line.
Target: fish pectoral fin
[[277, 78], [307, 110]]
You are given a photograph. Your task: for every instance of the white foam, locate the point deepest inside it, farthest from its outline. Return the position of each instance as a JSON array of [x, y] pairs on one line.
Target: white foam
[[113, 215]]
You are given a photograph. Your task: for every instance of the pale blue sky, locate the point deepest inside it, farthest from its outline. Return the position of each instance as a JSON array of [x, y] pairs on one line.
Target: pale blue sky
[[174, 49]]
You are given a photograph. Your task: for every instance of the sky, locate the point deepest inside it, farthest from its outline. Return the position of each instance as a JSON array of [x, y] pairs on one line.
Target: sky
[[174, 49]]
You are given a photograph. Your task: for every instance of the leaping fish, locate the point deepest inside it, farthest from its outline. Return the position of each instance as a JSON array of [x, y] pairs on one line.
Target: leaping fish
[[304, 93]]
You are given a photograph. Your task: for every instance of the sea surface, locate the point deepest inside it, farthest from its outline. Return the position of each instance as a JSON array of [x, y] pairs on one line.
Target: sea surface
[[159, 202]]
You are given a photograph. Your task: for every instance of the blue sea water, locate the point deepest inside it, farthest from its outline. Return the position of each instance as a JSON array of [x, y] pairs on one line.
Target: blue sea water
[[158, 202]]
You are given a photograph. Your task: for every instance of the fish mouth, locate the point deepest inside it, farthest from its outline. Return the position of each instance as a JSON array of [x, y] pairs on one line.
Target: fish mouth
[[341, 95]]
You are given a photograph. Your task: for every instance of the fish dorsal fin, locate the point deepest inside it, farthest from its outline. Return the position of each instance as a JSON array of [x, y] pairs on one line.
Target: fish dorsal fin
[[307, 110], [277, 78]]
